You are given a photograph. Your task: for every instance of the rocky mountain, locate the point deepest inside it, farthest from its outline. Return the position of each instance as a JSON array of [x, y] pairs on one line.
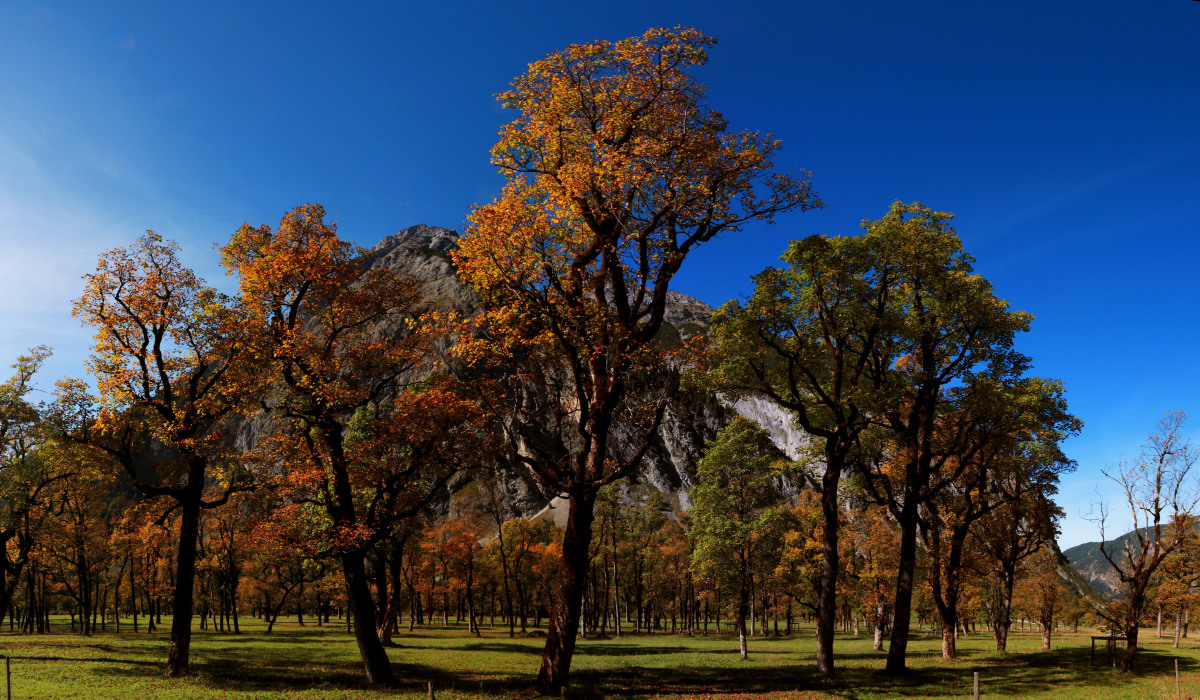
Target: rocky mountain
[[424, 253], [1094, 568]]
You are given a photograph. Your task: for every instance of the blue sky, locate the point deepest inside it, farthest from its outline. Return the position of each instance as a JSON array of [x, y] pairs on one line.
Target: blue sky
[[1065, 136]]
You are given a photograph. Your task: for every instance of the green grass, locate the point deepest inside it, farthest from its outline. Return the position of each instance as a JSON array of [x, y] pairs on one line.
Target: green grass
[[322, 662]]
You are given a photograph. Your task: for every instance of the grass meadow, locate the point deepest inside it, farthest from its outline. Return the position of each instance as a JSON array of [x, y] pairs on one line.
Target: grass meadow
[[322, 662]]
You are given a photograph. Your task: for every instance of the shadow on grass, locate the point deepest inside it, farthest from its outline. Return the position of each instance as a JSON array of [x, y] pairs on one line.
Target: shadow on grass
[[240, 674], [605, 648], [1012, 675], [289, 664], [116, 661]]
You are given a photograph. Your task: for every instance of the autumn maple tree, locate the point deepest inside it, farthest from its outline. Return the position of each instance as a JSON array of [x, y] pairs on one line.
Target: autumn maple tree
[[1023, 524], [172, 361], [1179, 581], [283, 558], [998, 433], [875, 544], [617, 169], [343, 345], [78, 539], [946, 334], [1044, 589]]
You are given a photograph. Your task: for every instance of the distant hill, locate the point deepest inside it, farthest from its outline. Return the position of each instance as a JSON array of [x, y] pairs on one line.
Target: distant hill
[[1070, 573], [1091, 564]]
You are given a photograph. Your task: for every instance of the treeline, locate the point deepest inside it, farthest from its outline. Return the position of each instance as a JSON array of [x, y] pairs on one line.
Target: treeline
[[746, 558], [110, 565]]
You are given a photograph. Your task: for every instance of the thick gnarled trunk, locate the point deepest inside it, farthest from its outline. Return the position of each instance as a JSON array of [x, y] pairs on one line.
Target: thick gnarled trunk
[[362, 612], [1131, 645], [880, 612], [1003, 621], [568, 599]]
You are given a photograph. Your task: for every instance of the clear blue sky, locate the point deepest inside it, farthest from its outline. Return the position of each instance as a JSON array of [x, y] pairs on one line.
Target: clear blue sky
[[1065, 136]]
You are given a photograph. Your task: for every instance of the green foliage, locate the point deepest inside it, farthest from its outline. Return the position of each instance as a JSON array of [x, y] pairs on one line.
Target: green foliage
[[736, 515], [668, 337], [862, 323]]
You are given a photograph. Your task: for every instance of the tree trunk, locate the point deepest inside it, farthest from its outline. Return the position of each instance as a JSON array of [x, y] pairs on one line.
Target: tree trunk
[[185, 579], [1004, 607], [743, 607], [902, 612], [949, 639], [391, 621], [133, 603], [472, 625], [616, 585], [827, 595], [362, 612], [945, 578], [1131, 640], [508, 602], [880, 612], [572, 577]]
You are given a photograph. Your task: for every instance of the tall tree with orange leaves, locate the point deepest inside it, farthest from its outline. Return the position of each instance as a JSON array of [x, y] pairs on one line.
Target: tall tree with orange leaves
[[617, 169], [172, 360], [343, 345]]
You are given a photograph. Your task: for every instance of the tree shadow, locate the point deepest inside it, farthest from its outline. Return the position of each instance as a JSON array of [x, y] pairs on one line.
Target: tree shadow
[[1013, 675], [503, 647], [226, 666]]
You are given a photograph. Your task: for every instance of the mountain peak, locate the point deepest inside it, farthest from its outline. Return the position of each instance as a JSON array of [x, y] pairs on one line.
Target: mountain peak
[[420, 236]]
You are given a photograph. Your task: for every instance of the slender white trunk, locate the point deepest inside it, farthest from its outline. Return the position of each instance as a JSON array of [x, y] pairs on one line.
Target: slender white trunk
[[879, 612]]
